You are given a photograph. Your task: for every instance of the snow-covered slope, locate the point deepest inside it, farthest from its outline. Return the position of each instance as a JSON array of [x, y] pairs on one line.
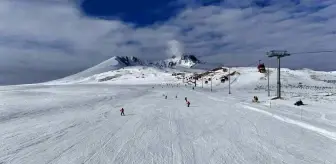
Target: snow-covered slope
[[247, 77], [81, 124], [127, 75], [294, 82], [111, 64]]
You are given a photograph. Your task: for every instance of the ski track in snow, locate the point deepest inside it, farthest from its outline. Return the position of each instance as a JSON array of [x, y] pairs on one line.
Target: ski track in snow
[[81, 124], [324, 132]]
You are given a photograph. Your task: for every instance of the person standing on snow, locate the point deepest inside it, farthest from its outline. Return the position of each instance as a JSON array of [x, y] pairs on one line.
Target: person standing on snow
[[122, 112], [188, 103]]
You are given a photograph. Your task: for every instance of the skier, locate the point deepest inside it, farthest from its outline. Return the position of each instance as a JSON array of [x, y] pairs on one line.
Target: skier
[[166, 97], [186, 99], [188, 103], [255, 99], [122, 112], [176, 96]]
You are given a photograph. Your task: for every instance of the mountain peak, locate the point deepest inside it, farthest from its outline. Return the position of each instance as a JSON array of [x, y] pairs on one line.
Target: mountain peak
[[128, 60], [184, 60], [191, 58]]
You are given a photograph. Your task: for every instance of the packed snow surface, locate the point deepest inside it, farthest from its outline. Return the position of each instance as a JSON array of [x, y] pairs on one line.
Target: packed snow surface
[[81, 124], [76, 120]]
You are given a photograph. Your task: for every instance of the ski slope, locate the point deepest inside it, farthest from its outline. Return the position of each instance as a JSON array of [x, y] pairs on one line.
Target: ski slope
[[128, 75], [76, 120], [81, 123]]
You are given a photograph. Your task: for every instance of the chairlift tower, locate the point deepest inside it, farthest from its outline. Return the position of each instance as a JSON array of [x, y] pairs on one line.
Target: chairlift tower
[[211, 81], [268, 82], [278, 54]]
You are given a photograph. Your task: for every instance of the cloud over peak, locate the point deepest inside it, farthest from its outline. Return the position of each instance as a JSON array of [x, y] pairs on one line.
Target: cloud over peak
[[56, 35]]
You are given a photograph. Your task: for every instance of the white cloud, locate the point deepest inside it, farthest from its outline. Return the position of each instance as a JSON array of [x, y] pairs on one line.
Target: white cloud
[[175, 48], [54, 36], [248, 33]]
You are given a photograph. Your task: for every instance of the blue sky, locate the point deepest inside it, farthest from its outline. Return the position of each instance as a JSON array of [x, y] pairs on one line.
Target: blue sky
[[46, 39], [139, 13]]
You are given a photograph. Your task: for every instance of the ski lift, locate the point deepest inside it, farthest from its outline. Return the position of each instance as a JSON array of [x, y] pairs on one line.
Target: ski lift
[[261, 68]]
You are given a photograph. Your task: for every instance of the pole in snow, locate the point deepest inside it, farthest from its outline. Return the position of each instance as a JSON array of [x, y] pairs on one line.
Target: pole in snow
[[211, 84], [195, 81], [268, 82], [183, 78], [278, 80], [229, 81]]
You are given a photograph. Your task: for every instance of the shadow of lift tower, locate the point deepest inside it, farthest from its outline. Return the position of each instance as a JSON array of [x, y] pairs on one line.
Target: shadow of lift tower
[[279, 55]]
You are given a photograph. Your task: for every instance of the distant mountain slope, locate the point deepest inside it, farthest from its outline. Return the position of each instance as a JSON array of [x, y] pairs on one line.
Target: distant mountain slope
[[111, 64], [118, 62], [131, 70]]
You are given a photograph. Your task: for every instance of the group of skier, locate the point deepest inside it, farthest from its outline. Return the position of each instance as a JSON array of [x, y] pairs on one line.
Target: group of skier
[[186, 99], [122, 110]]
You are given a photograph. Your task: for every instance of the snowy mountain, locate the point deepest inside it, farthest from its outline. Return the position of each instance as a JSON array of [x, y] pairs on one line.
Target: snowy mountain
[[122, 62], [294, 82], [132, 70], [187, 61]]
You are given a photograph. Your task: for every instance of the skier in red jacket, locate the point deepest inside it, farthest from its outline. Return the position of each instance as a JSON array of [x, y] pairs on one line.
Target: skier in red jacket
[[122, 112], [188, 103]]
